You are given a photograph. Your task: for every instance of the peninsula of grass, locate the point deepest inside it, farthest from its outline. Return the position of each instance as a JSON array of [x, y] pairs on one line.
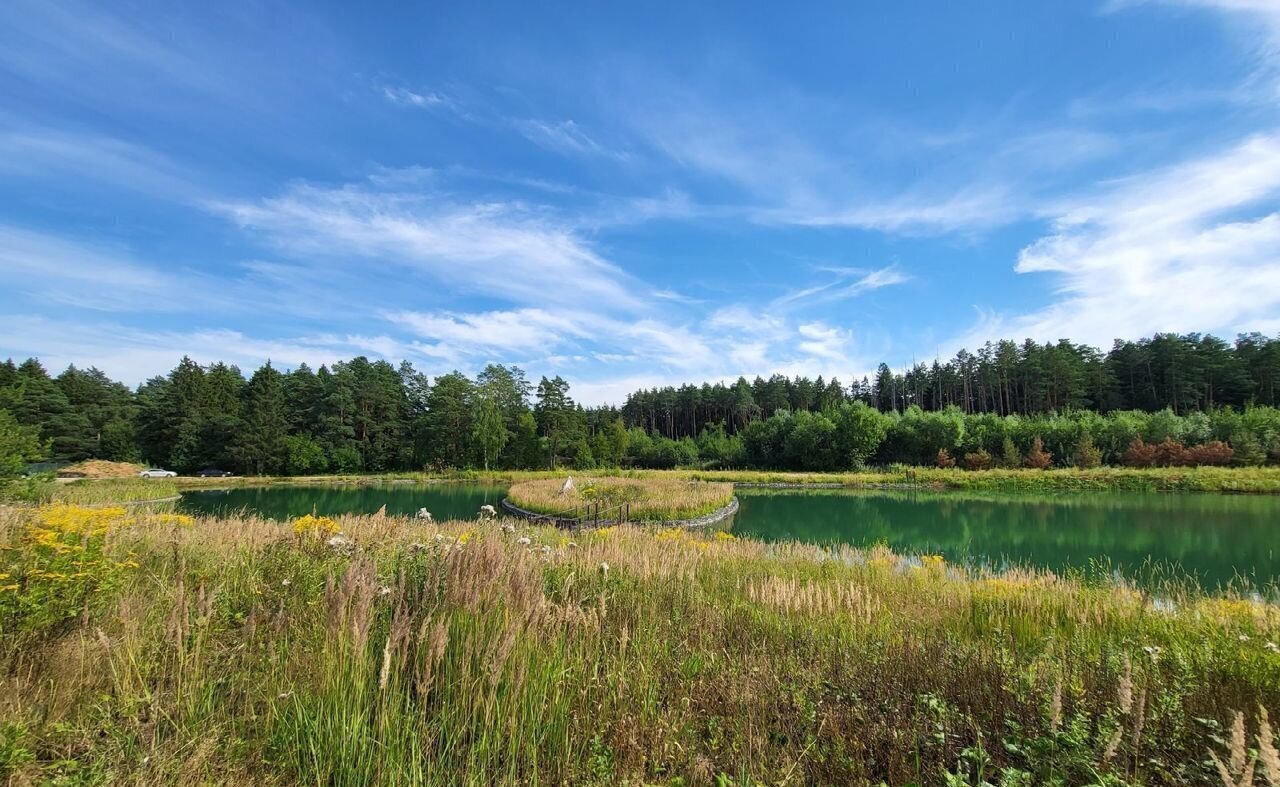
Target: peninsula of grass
[[661, 499], [108, 491], [144, 648]]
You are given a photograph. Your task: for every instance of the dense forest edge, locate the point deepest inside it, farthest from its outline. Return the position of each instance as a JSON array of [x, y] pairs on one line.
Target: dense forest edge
[[1165, 401]]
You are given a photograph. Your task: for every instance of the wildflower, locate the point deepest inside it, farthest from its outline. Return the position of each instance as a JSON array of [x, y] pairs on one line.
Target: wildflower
[[724, 536], [546, 549], [523, 541], [310, 524], [384, 591], [1152, 650], [604, 568], [1243, 638], [285, 582], [508, 528], [1273, 647]]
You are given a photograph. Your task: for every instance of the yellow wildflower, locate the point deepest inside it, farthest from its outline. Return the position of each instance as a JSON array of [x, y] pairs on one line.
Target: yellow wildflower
[[310, 524]]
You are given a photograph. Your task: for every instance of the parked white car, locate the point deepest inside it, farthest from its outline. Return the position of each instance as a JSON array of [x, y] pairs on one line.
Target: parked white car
[[155, 472]]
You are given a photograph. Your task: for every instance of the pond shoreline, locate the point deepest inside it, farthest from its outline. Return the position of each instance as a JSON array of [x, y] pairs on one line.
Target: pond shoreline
[[1216, 480]]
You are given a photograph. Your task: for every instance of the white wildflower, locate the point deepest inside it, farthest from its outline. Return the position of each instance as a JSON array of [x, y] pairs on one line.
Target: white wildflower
[[523, 541]]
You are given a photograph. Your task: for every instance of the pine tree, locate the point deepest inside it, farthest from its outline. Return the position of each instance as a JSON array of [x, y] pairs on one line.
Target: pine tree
[[260, 446]]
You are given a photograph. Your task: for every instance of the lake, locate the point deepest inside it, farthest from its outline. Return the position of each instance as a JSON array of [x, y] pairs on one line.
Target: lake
[[1215, 538]]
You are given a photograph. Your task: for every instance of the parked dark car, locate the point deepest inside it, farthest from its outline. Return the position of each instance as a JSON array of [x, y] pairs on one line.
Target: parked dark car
[[213, 472]]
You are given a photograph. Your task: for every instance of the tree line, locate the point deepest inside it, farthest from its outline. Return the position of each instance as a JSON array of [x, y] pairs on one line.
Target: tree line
[[1165, 400], [1185, 373]]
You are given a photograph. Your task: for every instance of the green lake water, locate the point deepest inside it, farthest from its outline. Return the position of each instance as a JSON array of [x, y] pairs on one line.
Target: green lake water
[[1215, 538]]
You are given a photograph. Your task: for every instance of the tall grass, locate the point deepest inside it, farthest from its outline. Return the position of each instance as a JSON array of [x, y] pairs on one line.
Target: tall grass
[[648, 499], [237, 651]]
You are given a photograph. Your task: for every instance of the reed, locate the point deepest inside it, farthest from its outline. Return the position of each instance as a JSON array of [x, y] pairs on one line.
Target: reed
[[144, 648]]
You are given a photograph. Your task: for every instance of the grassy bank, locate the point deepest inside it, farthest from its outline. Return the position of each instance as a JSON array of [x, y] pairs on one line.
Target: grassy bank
[[647, 499], [144, 648], [1258, 480]]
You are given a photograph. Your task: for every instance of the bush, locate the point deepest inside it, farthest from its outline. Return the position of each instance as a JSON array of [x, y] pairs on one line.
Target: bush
[[1214, 452], [1088, 455], [1139, 454], [1009, 456], [978, 460], [1038, 458], [1170, 453], [944, 459]]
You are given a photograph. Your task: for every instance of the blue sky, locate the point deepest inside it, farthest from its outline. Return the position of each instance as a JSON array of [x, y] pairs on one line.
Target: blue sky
[[631, 195]]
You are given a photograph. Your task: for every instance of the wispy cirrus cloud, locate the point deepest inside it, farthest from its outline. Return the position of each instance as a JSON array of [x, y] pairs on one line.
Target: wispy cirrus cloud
[[498, 249], [51, 154], [517, 330], [403, 96], [1193, 247], [133, 355], [565, 137], [845, 283], [1190, 246]]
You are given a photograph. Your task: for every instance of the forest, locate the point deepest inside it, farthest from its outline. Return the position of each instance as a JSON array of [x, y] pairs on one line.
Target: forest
[[1164, 400]]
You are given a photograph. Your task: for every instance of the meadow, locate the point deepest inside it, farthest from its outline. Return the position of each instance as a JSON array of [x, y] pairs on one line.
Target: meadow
[[146, 647], [652, 499]]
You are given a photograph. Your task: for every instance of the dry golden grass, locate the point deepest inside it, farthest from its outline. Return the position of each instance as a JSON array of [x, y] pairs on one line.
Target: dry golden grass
[[649, 499], [101, 468]]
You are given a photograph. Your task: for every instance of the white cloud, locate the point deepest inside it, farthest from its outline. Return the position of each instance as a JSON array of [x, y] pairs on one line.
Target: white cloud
[[1193, 247], [564, 137], [521, 330], [50, 154], [500, 250], [405, 97], [50, 269], [848, 283], [134, 355]]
